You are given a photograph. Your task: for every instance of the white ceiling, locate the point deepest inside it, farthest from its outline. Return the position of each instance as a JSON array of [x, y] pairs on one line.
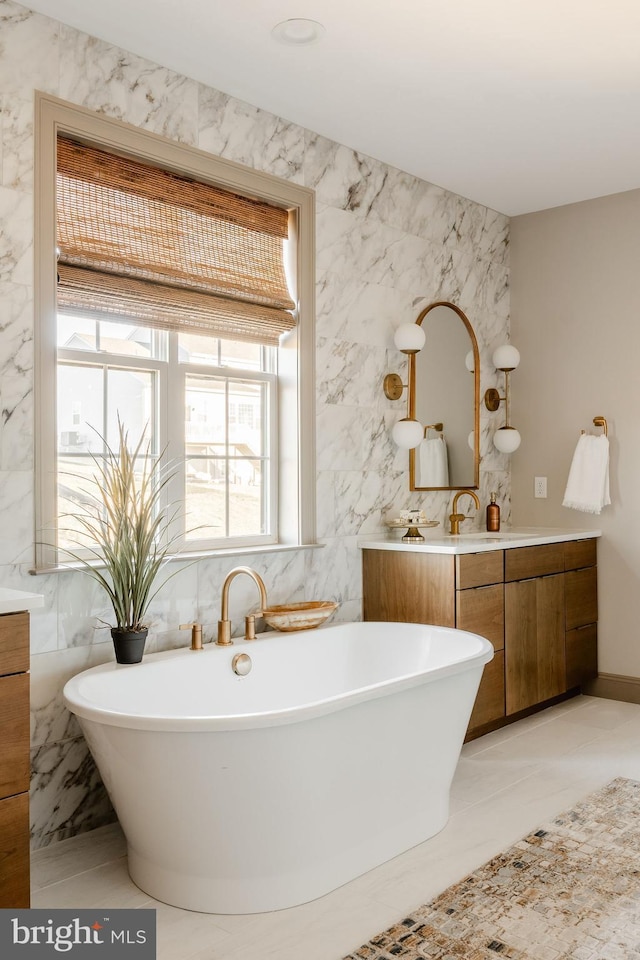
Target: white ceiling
[[517, 104]]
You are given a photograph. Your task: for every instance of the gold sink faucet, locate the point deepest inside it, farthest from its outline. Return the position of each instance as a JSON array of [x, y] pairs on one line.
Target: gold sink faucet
[[224, 624], [455, 518]]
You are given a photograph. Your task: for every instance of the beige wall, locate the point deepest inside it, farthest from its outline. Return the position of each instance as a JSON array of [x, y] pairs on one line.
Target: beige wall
[[576, 320]]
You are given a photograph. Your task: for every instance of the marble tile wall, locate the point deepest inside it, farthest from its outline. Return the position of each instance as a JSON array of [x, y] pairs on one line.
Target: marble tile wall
[[387, 244]]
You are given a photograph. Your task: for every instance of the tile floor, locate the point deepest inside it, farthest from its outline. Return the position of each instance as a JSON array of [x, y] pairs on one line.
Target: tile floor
[[506, 783]]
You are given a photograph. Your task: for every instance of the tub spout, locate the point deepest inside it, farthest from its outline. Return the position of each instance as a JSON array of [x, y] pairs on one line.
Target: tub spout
[[224, 624]]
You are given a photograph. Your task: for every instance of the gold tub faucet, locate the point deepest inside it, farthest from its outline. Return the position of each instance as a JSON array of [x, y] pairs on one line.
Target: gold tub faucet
[[224, 624], [455, 518]]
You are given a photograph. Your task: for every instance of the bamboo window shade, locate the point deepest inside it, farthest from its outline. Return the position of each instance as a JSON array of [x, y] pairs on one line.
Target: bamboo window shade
[[159, 249]]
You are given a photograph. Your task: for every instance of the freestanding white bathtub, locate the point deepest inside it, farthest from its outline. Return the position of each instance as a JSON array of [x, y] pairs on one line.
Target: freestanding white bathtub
[[246, 794]]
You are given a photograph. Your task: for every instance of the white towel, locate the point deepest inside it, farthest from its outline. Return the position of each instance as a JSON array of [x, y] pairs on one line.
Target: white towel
[[588, 483], [433, 463]]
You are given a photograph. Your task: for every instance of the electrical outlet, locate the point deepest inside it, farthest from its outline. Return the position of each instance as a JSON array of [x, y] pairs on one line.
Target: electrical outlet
[[540, 487]]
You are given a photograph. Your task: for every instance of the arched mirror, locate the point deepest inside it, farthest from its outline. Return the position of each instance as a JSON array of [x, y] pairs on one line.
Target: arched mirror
[[444, 389]]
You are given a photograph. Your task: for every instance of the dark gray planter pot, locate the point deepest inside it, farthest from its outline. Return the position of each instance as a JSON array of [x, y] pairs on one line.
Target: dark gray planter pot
[[128, 644]]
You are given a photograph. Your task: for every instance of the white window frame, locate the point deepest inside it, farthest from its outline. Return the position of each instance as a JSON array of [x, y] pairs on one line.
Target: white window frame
[[295, 443]]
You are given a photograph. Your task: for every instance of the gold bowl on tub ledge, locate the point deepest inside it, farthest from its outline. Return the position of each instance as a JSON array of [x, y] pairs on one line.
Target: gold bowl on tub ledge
[[299, 616]]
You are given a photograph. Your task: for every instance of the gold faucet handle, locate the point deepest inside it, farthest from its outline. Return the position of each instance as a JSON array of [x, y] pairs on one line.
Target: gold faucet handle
[[196, 634], [250, 627]]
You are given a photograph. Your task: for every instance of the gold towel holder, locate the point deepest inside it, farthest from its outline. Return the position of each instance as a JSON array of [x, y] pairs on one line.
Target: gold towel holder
[[600, 422], [438, 427]]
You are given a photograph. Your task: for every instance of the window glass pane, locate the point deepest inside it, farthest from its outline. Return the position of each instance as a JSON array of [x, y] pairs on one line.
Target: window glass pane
[[76, 498], [205, 412], [125, 339], [246, 418], [246, 516], [76, 333], [80, 409], [225, 353], [131, 397], [205, 496]]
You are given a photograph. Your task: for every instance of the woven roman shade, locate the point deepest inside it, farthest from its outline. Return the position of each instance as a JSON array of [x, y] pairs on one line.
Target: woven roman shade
[[143, 244]]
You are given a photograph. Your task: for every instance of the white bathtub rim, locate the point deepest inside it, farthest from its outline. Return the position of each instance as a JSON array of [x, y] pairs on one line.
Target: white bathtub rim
[[86, 709]]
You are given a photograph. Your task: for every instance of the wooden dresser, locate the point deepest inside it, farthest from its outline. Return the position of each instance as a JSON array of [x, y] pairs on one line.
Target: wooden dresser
[[14, 760], [537, 605]]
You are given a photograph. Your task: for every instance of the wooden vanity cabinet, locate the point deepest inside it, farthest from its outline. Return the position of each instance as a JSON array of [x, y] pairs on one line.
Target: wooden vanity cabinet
[[537, 605], [14, 760]]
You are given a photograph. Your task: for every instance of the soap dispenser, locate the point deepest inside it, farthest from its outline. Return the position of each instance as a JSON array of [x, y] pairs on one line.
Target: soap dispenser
[[493, 515]]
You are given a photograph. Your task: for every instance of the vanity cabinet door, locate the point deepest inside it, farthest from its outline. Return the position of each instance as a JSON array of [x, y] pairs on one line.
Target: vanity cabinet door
[[14, 852], [481, 610], [582, 655], [14, 760], [581, 597], [534, 641], [14, 734]]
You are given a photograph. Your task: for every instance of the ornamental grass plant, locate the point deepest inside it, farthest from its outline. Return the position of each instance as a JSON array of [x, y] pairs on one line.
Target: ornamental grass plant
[[126, 530]]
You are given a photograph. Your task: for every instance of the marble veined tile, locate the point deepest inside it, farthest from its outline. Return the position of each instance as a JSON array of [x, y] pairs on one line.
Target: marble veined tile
[[341, 177], [350, 308], [361, 501], [335, 571], [238, 131], [28, 52], [349, 373], [119, 84], [67, 794], [50, 719], [16, 516], [16, 236], [16, 124]]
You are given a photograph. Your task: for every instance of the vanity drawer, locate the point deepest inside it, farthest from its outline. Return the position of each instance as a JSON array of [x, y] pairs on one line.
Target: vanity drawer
[[481, 610], [579, 553], [14, 734], [581, 597], [524, 563], [14, 643], [479, 569]]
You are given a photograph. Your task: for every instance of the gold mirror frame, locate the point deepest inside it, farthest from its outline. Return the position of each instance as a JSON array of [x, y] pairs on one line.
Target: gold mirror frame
[[476, 399]]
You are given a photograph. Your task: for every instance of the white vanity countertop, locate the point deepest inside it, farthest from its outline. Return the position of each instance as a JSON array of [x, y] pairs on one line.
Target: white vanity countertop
[[480, 541], [15, 601]]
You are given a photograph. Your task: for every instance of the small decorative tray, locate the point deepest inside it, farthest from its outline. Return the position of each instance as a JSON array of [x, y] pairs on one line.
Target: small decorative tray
[[413, 527]]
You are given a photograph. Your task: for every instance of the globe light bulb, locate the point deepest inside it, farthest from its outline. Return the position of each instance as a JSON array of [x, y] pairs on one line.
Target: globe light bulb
[[506, 357], [409, 338], [506, 439], [407, 433]]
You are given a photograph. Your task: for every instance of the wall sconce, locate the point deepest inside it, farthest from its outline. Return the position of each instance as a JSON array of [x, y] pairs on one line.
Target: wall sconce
[[409, 338], [506, 358]]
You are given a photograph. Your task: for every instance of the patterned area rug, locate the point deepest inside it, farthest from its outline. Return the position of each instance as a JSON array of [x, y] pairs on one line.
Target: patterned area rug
[[568, 891]]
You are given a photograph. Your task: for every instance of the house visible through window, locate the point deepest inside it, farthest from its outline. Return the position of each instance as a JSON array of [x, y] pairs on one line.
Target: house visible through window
[[173, 300]]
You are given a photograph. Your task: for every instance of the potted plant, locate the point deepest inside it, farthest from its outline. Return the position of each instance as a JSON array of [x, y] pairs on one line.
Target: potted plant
[[126, 538]]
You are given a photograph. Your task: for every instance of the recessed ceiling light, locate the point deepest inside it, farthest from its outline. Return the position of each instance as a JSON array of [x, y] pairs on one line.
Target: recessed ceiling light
[[298, 31]]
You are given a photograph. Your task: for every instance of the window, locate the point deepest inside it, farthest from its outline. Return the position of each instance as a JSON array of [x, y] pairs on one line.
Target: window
[[139, 330]]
